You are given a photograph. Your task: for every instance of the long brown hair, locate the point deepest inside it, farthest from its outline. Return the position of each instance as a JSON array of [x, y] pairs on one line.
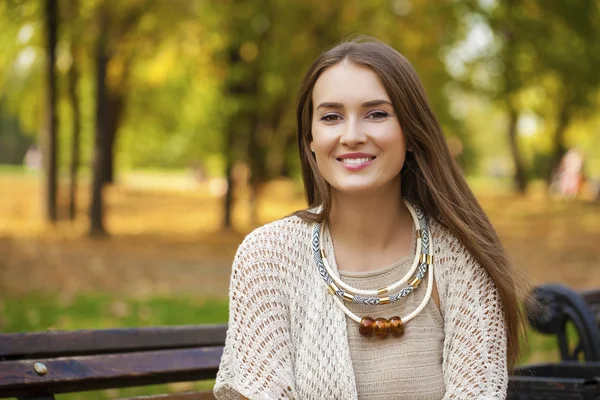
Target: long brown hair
[[430, 177]]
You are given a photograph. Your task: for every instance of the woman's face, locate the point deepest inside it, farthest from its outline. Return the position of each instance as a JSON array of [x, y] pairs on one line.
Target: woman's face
[[357, 139]]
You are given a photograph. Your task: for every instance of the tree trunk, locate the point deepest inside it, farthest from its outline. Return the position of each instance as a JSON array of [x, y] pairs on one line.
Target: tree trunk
[[75, 148], [108, 174], [51, 159], [562, 122], [228, 199], [256, 160], [520, 178], [229, 145], [114, 112], [97, 205]]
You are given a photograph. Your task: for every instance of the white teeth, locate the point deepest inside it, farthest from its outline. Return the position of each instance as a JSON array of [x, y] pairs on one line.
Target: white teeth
[[354, 161]]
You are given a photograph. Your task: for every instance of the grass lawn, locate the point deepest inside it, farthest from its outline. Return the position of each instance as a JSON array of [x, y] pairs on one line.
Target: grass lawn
[[102, 311]]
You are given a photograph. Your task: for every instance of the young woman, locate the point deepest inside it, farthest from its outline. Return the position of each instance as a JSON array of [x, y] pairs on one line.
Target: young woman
[[393, 284]]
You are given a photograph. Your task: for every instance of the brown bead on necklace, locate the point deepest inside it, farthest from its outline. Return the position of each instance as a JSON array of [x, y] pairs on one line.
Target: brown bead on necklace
[[381, 327], [396, 327], [366, 326]]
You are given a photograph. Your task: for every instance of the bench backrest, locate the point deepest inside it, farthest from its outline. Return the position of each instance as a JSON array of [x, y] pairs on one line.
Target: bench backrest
[[54, 362]]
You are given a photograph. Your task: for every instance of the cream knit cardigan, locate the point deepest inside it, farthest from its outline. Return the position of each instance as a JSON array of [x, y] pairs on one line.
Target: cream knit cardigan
[[287, 338]]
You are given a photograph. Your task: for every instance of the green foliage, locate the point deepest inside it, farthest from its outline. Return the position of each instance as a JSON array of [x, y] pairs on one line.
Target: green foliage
[[191, 73], [541, 60], [13, 141]]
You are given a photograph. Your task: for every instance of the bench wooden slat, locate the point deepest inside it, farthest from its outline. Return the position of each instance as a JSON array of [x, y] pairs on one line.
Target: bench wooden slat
[[203, 395], [521, 387], [565, 380], [87, 342], [18, 378]]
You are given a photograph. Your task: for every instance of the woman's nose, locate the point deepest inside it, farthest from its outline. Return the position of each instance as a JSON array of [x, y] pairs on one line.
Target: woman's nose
[[353, 134]]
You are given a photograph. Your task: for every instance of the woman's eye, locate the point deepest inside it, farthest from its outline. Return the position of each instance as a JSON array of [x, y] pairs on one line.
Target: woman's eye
[[378, 115], [330, 117]]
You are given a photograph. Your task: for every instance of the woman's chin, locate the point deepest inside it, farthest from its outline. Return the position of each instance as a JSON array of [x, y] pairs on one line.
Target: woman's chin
[[357, 188]]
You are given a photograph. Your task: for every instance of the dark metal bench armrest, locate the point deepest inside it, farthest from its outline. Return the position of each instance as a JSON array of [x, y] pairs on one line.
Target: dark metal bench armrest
[[560, 305]]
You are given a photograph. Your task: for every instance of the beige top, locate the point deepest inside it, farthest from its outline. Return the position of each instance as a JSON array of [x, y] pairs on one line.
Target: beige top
[[288, 338], [409, 367]]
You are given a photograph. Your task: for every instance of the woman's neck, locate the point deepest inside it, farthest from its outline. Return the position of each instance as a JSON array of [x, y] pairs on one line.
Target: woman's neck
[[371, 223]]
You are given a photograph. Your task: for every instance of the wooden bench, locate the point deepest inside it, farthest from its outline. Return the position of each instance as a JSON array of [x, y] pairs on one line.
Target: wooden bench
[[36, 366], [577, 374]]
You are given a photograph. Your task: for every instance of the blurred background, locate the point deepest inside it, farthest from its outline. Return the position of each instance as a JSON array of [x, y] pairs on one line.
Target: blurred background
[[140, 140]]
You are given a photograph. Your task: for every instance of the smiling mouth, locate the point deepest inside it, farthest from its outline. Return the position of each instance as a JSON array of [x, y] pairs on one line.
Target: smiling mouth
[[356, 161]]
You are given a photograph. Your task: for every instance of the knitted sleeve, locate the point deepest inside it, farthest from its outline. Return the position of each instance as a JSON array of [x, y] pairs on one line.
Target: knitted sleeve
[[257, 361], [474, 355]]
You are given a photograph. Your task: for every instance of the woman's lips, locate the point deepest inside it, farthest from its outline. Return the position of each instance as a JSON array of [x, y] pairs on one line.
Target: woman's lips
[[356, 163]]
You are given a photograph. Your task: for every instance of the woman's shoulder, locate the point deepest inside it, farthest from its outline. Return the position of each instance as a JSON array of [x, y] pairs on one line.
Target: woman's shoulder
[[277, 236], [445, 244], [456, 269], [276, 249], [453, 260]]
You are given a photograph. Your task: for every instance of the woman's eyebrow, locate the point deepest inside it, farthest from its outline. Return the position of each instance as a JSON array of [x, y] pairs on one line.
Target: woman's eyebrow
[[373, 103], [370, 103], [330, 105]]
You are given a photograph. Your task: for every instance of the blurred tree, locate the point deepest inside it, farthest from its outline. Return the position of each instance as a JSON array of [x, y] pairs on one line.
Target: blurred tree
[[137, 30], [101, 132], [549, 47], [13, 141], [121, 21], [14, 138], [508, 22], [240, 89], [496, 72], [72, 11], [568, 53], [128, 34], [51, 159]]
